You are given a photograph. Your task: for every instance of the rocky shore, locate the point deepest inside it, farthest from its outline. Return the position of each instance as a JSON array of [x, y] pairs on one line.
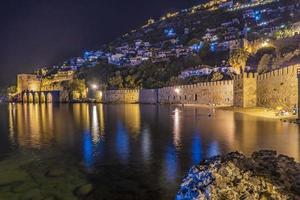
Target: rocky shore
[[263, 176]]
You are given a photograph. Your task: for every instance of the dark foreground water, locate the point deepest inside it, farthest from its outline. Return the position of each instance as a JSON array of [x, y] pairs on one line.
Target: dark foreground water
[[138, 151]]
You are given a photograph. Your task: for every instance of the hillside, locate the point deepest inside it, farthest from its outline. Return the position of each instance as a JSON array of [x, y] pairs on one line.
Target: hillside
[[207, 42]]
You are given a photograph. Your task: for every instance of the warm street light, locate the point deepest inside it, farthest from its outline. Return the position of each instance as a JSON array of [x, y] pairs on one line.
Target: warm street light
[[94, 86], [177, 90]]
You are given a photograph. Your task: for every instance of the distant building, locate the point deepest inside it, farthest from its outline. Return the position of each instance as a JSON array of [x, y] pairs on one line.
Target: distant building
[[199, 71], [28, 82], [115, 59], [63, 75]]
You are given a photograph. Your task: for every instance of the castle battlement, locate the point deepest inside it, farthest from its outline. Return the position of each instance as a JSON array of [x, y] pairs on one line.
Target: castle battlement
[[290, 70], [245, 75]]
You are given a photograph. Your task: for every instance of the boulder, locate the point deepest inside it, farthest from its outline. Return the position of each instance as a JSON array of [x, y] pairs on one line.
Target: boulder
[[56, 172], [264, 175], [84, 190]]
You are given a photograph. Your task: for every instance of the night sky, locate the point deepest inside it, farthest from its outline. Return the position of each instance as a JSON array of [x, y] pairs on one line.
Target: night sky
[[44, 32]]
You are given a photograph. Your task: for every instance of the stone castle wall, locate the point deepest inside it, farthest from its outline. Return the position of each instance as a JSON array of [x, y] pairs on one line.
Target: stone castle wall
[[121, 96], [28, 82], [148, 96], [278, 88], [245, 90], [219, 93], [130, 96]]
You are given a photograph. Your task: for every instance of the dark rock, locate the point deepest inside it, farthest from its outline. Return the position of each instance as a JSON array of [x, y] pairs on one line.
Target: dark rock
[[32, 195], [234, 176], [22, 187], [84, 190], [296, 188], [195, 182], [50, 198], [56, 172]]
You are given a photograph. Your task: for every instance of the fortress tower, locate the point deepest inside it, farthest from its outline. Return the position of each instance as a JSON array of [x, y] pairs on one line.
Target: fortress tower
[[244, 87]]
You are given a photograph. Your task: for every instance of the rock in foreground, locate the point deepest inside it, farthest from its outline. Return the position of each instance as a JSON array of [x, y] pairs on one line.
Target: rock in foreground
[[264, 175]]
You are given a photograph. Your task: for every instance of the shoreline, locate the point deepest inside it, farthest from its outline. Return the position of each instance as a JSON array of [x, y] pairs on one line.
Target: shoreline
[[263, 175], [253, 111], [260, 112]]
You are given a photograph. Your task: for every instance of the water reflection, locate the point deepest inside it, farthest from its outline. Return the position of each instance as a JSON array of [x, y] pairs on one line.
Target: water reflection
[[87, 149], [157, 143], [213, 149], [122, 143], [11, 121], [146, 144], [197, 152], [132, 118], [170, 163], [177, 128]]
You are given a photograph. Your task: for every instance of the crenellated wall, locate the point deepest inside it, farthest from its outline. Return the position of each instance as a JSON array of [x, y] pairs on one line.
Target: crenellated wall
[[130, 96], [219, 93], [278, 88], [121, 96], [148, 96]]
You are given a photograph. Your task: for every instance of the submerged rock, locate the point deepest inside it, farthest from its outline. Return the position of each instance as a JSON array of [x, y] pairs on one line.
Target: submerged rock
[[84, 190], [28, 175], [56, 172], [264, 175]]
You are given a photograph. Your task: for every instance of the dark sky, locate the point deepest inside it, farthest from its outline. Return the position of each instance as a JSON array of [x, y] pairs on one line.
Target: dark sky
[[44, 32]]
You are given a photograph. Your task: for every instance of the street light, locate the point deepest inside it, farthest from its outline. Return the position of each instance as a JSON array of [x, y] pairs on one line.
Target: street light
[[177, 90], [94, 86]]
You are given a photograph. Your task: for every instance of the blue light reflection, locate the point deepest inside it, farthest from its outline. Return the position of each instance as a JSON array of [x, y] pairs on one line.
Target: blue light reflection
[[171, 163], [122, 142], [213, 149], [87, 149], [197, 152]]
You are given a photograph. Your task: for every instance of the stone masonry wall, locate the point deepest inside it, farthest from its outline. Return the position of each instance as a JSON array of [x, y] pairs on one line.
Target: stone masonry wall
[[121, 96], [130, 96], [278, 88], [245, 89], [148, 96], [219, 93]]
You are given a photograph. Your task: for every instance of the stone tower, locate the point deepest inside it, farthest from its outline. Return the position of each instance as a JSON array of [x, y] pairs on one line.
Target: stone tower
[[244, 87]]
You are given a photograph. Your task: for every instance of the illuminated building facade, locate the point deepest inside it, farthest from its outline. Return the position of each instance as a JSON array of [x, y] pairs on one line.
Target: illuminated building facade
[[28, 82]]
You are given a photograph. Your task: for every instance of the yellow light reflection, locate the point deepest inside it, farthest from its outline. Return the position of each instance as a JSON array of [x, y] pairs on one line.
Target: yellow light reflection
[[133, 118], [95, 125], [177, 129]]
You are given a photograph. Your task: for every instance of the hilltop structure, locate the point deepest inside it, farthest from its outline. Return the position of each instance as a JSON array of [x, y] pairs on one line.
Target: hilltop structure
[[39, 89]]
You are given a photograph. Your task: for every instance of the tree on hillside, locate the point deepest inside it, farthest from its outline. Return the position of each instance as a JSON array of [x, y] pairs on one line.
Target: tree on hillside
[[116, 81], [264, 63], [74, 85], [217, 76], [132, 82], [238, 59], [100, 73]]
